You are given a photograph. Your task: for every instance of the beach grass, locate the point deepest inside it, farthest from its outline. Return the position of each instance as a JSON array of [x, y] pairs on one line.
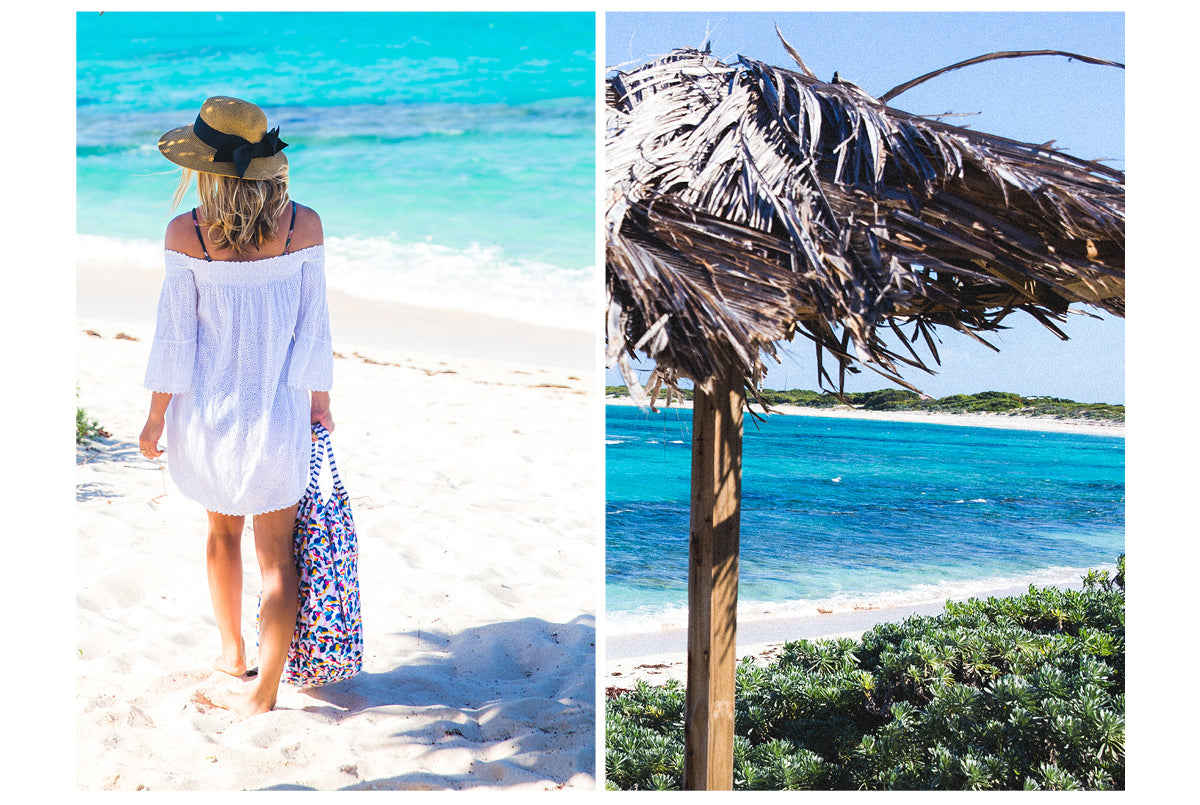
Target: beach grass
[[1021, 692]]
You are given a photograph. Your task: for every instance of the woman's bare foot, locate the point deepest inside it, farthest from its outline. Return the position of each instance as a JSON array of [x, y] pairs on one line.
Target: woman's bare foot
[[246, 703], [250, 703], [232, 662]]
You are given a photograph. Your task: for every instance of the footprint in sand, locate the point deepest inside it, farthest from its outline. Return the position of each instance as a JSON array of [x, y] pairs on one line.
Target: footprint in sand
[[210, 700], [207, 701]]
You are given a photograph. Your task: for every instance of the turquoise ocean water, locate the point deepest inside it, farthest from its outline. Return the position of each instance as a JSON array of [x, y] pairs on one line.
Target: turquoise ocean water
[[451, 155], [838, 513]]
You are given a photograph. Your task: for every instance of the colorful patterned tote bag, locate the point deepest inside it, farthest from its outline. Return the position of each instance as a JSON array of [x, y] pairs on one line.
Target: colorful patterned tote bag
[[327, 646]]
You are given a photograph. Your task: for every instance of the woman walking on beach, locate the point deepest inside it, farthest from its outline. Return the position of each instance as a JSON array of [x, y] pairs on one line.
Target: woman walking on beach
[[240, 368]]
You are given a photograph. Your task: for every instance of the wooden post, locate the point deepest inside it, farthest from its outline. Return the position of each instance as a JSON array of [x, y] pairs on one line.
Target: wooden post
[[712, 582]]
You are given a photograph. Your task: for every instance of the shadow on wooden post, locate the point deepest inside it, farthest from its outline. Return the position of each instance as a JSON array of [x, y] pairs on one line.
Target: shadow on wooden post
[[713, 582]]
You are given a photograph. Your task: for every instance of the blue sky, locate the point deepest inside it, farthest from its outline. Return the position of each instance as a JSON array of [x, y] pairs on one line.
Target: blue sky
[[1079, 106]]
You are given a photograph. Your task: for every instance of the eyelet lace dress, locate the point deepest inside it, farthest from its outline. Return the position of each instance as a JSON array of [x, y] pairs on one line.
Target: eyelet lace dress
[[240, 345]]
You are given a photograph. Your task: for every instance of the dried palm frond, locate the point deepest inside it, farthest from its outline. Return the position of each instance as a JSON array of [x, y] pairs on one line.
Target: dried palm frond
[[746, 203]]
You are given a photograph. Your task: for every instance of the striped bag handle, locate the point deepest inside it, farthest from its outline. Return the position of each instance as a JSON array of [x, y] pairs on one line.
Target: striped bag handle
[[323, 440], [315, 460]]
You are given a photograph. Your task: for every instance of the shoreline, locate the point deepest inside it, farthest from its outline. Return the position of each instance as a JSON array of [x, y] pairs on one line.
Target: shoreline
[[656, 657], [1000, 421], [120, 293]]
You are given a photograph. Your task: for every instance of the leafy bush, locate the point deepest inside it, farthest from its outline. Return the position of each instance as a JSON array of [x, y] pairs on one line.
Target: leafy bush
[[886, 399], [1013, 693], [86, 428]]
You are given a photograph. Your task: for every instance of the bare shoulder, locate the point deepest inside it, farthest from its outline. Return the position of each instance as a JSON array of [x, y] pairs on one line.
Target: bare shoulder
[[308, 231], [181, 236]]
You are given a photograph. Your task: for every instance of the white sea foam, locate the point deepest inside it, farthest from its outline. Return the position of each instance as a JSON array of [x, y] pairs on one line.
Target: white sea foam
[[649, 618], [141, 254], [475, 279]]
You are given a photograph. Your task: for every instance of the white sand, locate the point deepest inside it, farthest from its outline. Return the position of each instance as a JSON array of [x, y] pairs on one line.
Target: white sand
[[1005, 421], [474, 485]]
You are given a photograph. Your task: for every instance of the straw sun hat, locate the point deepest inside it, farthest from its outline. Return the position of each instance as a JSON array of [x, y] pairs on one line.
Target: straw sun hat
[[229, 138]]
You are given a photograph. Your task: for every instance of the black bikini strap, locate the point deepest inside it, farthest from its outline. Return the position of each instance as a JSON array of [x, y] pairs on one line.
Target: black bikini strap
[[291, 227], [200, 237]]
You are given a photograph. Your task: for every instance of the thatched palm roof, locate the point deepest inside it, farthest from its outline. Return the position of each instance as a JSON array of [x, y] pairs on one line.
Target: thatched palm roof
[[748, 202]]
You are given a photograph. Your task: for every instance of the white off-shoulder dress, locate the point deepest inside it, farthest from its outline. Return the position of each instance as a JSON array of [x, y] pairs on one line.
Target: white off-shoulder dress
[[240, 345]]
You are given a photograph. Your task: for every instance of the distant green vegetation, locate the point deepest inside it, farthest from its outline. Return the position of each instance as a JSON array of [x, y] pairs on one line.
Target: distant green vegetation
[[985, 402], [621, 391], [1026, 692]]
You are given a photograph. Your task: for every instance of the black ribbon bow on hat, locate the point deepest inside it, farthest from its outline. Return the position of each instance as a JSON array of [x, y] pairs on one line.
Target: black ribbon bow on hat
[[235, 149]]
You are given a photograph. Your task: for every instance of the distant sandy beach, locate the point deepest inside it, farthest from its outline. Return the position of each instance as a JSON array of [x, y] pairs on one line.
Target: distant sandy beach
[[1038, 423], [660, 656], [469, 450]]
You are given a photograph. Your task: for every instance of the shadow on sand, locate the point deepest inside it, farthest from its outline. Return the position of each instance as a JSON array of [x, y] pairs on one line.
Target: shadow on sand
[[108, 451], [519, 693]]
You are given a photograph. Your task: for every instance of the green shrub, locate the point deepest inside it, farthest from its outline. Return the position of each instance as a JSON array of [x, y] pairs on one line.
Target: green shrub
[[86, 428], [886, 399], [1026, 692]]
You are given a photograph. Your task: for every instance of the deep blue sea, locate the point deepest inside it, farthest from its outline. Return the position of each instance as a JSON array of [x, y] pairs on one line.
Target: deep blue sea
[[451, 155], [838, 513]]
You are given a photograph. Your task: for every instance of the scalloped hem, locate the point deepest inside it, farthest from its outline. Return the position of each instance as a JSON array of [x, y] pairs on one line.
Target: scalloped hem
[[224, 510], [250, 514], [274, 257]]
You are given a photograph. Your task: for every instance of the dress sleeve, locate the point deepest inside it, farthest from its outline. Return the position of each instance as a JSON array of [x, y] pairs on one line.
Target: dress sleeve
[[312, 353], [173, 352]]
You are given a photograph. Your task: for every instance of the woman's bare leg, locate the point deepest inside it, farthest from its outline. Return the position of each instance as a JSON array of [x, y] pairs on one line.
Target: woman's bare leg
[[225, 588], [277, 612]]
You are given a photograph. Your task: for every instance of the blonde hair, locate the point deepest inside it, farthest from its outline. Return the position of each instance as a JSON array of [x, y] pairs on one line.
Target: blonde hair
[[241, 214]]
